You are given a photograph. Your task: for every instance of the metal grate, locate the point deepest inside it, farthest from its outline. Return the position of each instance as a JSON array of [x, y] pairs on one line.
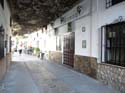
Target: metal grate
[[68, 49], [113, 44]]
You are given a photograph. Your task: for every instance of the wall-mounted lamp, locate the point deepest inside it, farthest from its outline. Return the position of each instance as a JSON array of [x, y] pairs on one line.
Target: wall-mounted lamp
[[52, 24], [79, 9], [62, 19]]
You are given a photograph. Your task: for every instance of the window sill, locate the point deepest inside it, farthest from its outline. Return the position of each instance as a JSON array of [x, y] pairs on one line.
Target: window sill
[[116, 66]]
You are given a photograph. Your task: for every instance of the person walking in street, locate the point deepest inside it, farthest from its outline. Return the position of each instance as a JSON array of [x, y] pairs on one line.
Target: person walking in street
[[20, 49]]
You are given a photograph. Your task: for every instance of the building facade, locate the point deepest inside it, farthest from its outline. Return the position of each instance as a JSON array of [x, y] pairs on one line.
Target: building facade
[[90, 38], [5, 37]]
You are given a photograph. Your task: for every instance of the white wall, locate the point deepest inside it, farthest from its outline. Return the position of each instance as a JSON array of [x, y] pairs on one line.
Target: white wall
[[93, 16], [94, 29], [78, 21], [100, 17], [5, 21], [63, 29], [93, 22], [107, 16], [79, 36]]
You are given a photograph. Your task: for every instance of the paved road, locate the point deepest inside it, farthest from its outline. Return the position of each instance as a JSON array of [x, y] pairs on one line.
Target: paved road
[[29, 74]]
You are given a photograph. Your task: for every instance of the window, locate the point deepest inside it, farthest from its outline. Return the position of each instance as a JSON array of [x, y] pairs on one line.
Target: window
[[69, 27], [56, 31], [110, 3], [113, 44], [58, 40], [58, 43], [2, 3]]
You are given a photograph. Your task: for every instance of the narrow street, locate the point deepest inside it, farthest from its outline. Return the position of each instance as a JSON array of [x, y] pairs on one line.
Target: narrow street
[[29, 74]]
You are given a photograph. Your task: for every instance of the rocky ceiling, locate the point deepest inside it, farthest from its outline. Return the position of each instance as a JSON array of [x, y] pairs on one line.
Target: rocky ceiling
[[29, 15]]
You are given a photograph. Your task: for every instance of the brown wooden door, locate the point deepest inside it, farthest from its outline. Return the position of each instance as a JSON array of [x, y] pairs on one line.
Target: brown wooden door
[[68, 49]]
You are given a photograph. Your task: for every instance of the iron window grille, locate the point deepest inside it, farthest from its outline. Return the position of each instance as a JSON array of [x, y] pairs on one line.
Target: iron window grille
[[110, 3], [113, 44]]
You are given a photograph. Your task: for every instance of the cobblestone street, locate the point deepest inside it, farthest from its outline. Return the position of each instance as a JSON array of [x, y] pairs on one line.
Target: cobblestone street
[[29, 74]]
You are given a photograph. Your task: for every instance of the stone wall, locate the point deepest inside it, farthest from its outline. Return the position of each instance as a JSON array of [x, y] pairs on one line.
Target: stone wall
[[4, 65], [55, 56], [112, 75], [86, 65]]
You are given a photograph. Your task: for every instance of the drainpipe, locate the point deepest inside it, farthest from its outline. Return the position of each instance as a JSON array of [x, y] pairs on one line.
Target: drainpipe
[[91, 27], [99, 32]]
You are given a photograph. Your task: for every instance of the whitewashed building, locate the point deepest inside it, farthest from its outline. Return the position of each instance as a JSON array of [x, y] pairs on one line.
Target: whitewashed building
[[89, 37], [5, 37]]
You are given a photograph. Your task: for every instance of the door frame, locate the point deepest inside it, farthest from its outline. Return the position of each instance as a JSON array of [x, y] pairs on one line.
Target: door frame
[[66, 34]]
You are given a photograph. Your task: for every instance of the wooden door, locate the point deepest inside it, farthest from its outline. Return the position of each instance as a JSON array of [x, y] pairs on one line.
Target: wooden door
[[68, 49]]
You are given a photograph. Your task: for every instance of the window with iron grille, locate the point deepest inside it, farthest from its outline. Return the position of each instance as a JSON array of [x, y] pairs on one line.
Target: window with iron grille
[[113, 44], [2, 3], [110, 3]]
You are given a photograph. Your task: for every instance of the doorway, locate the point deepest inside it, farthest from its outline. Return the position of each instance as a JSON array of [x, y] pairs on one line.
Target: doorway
[[68, 49]]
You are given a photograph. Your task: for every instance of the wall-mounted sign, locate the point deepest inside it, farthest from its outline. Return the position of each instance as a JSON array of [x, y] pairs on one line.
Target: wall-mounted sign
[[83, 9], [83, 43]]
